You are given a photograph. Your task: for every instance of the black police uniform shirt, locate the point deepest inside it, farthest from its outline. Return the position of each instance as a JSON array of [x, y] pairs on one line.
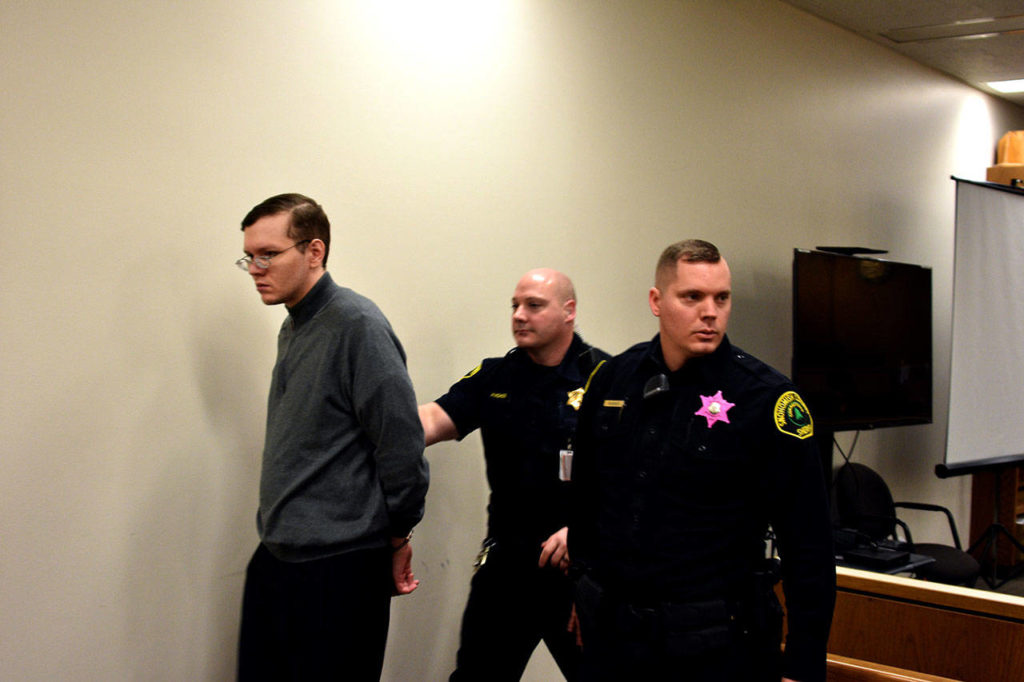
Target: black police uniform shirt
[[674, 493], [527, 416]]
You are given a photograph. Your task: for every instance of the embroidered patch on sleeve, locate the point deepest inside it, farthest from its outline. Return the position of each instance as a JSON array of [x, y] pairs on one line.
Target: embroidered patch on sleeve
[[792, 416]]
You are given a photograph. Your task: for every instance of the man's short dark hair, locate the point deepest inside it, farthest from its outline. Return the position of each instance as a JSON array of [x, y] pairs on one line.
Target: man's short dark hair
[[308, 220], [688, 251]]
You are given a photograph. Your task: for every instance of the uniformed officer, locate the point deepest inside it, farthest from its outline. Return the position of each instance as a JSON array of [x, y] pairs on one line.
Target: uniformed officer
[[525, 405], [688, 450]]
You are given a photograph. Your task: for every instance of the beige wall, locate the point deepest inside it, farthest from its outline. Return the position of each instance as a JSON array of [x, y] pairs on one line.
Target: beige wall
[[452, 150]]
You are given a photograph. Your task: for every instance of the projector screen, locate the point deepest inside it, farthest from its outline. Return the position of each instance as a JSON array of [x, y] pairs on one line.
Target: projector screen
[[986, 391]]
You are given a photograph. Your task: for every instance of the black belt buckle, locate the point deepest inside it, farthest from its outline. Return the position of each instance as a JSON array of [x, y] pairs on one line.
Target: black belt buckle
[[697, 615]]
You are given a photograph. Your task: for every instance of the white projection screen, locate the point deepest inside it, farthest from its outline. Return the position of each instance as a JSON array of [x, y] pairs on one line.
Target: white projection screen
[[986, 392]]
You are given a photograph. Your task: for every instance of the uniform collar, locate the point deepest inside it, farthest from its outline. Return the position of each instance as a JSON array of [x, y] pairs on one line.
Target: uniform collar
[[568, 368], [703, 363]]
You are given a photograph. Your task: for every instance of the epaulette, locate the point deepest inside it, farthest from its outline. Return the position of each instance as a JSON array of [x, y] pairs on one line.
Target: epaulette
[[589, 359], [761, 370]]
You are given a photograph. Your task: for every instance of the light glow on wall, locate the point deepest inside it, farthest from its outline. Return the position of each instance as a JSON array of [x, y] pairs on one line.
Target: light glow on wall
[[441, 33], [975, 138]]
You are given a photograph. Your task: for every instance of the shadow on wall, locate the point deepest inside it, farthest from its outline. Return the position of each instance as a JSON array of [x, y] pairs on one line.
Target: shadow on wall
[[192, 517]]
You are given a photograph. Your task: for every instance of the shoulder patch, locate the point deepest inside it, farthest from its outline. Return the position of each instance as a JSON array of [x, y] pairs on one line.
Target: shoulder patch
[[792, 416], [473, 371]]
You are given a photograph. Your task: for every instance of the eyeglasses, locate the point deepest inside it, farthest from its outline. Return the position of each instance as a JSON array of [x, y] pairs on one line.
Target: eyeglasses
[[263, 262]]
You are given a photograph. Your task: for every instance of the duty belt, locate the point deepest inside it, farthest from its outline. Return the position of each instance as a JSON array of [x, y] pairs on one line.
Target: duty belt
[[686, 628]]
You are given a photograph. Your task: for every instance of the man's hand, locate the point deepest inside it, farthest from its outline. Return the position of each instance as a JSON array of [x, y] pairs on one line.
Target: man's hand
[[401, 568], [555, 551]]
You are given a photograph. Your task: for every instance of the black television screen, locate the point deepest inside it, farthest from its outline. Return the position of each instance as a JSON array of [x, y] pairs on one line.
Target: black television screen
[[862, 340]]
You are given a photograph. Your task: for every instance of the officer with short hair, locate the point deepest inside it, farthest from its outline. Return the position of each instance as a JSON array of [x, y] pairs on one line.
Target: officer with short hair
[[688, 451]]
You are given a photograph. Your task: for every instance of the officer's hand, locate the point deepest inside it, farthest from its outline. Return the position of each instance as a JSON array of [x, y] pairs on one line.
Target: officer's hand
[[555, 551]]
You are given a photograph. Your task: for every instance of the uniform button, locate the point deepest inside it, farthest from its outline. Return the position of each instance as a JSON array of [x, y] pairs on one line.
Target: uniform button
[[642, 475], [702, 448], [652, 431]]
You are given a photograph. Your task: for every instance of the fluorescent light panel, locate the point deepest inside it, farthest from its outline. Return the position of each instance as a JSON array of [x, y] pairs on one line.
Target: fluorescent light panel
[[1007, 86], [958, 29]]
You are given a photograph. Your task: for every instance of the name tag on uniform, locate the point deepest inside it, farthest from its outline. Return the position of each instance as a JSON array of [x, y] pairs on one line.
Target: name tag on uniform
[[565, 465]]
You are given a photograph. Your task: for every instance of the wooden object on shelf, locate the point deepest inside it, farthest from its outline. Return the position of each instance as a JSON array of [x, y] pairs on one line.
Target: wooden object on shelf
[[1009, 168], [1010, 174], [1010, 148], [1009, 512]]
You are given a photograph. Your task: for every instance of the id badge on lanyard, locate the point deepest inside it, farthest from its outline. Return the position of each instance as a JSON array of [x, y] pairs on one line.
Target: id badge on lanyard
[[565, 464]]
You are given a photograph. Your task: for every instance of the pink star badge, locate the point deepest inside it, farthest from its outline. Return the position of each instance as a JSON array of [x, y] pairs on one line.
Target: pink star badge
[[714, 409]]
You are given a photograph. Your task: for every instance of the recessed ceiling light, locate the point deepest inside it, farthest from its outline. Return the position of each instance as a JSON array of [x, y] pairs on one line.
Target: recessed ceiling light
[[1007, 86]]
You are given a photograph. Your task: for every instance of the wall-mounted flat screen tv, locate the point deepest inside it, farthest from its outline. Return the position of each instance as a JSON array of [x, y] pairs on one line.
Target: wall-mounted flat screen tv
[[862, 340]]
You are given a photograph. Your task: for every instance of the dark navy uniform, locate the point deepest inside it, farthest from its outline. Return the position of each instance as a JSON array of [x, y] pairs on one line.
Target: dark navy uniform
[[675, 494], [527, 416]]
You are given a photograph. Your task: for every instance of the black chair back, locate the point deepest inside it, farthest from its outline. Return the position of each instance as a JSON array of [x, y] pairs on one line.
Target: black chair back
[[863, 502]]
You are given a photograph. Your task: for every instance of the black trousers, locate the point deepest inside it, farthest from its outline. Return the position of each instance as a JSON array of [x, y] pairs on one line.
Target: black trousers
[[513, 606], [623, 643], [325, 619]]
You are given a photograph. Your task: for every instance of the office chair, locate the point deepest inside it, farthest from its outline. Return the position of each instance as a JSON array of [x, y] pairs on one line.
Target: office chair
[[862, 502]]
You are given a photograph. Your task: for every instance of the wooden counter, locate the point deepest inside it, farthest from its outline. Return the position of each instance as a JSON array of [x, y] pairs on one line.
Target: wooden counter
[[953, 632]]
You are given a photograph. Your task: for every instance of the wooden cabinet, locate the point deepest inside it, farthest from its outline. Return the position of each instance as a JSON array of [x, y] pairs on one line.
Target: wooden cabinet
[[998, 497], [943, 630]]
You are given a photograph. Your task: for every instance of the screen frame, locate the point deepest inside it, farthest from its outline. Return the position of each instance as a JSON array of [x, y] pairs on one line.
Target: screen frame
[[869, 410]]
